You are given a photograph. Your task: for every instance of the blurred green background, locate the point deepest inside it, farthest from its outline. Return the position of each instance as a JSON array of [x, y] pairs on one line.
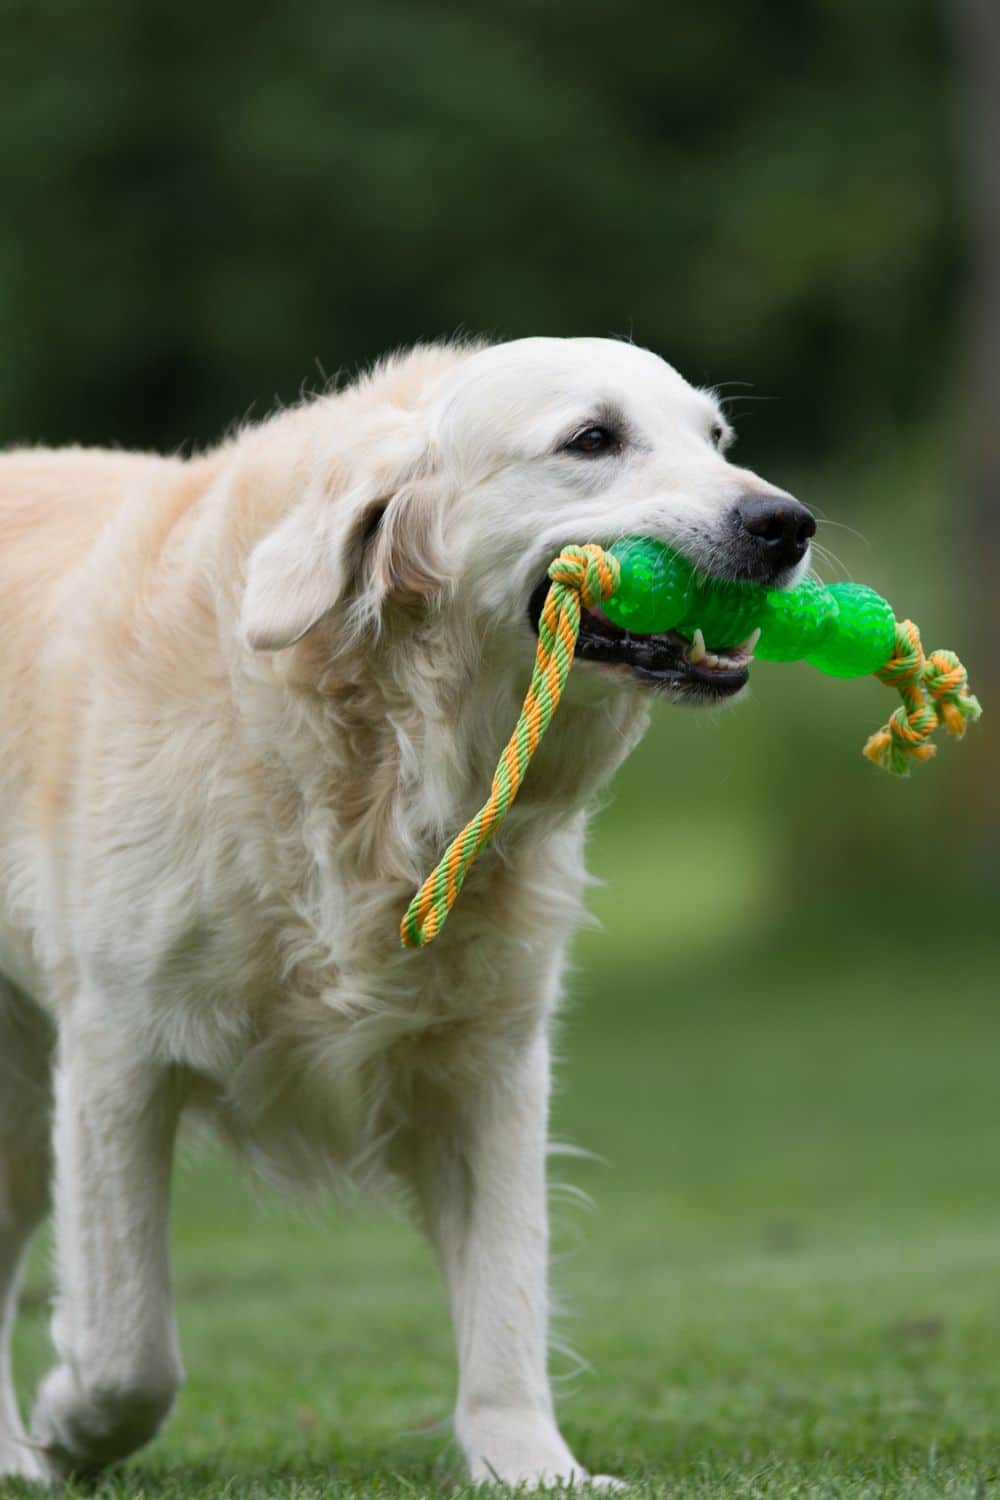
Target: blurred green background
[[786, 1038]]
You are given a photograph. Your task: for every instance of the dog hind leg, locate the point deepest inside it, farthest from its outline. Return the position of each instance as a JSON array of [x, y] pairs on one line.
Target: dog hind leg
[[25, 1107]]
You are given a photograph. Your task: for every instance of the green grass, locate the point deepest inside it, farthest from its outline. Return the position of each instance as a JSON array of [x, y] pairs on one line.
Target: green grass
[[790, 1284]]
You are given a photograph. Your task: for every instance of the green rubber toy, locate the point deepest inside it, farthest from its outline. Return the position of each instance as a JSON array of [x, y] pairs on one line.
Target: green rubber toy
[[843, 629]]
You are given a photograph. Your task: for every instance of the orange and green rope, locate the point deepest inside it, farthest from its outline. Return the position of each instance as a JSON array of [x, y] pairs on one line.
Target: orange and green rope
[[580, 576]]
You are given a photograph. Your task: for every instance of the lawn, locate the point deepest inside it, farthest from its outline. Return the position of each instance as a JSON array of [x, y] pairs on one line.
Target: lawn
[[789, 1283]]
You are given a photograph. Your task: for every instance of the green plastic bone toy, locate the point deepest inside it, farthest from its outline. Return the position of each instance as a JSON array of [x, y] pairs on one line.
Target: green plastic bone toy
[[643, 586], [844, 629]]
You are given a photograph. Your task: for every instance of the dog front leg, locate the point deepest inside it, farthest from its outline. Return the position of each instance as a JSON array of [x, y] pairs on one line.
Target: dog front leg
[[483, 1191], [119, 1364]]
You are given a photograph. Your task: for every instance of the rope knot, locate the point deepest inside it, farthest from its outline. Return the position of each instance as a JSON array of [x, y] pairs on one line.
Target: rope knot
[[934, 691], [589, 571], [905, 667], [947, 684]]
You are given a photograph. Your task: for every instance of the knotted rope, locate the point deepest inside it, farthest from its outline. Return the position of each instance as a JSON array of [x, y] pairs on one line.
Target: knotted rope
[[934, 690], [580, 577]]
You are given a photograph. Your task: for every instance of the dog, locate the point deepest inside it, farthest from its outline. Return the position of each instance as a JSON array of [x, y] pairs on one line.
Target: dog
[[245, 699]]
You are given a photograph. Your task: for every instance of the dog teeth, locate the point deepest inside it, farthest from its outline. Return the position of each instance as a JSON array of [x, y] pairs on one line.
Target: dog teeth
[[735, 658]]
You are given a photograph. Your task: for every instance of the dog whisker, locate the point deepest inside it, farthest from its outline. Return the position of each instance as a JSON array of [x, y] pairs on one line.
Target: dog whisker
[[842, 526]]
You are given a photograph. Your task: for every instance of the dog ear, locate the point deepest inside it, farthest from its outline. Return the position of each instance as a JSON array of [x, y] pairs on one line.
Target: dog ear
[[301, 569], [384, 544]]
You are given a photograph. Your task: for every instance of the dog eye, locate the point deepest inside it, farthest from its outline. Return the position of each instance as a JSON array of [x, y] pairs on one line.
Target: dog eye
[[592, 441], [718, 433]]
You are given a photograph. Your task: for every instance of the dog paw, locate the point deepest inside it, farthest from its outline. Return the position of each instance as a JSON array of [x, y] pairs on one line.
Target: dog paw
[[20, 1460], [523, 1450], [547, 1480], [82, 1427]]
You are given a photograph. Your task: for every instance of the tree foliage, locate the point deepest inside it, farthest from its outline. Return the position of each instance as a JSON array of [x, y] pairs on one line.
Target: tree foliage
[[206, 205]]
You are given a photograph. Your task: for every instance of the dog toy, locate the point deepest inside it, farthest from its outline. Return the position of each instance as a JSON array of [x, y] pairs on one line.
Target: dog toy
[[843, 629]]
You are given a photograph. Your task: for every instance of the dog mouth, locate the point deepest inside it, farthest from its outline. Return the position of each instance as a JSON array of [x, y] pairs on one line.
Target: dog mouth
[[690, 670]]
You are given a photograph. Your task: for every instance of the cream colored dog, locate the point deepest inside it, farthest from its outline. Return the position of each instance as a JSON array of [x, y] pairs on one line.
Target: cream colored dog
[[244, 701]]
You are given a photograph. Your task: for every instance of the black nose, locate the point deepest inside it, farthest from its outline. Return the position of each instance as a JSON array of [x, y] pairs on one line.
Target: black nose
[[780, 527]]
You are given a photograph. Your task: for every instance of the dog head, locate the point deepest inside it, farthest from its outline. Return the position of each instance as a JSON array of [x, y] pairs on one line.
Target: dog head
[[448, 480]]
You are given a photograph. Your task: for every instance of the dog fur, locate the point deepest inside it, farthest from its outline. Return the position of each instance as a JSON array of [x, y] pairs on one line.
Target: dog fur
[[245, 699]]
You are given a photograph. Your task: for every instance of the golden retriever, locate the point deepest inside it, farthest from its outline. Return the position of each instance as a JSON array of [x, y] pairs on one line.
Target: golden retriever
[[245, 699]]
